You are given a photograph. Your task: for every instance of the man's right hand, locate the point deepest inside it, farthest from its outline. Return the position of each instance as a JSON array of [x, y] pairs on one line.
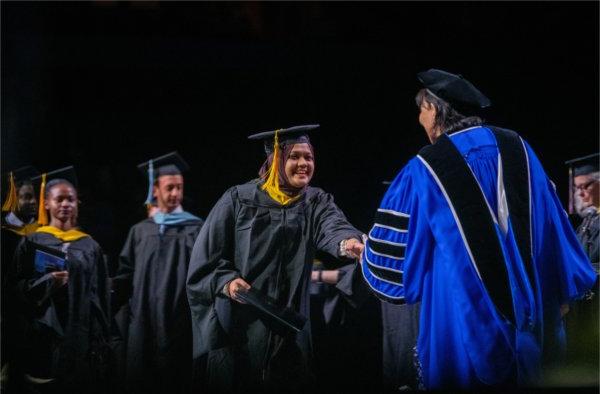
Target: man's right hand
[[235, 287]]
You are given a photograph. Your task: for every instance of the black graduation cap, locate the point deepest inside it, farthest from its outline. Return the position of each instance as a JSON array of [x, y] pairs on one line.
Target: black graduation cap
[[290, 135], [170, 164], [457, 91], [584, 165], [14, 179], [23, 174], [580, 166], [66, 173]]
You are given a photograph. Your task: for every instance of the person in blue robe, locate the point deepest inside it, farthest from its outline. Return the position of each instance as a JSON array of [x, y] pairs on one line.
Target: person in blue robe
[[473, 229]]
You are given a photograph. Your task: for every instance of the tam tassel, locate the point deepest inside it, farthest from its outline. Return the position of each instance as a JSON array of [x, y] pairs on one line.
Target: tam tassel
[[12, 201], [42, 215], [150, 196], [271, 185]]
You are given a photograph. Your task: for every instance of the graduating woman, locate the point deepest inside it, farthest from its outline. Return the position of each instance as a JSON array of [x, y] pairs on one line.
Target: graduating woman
[[61, 281], [263, 235]]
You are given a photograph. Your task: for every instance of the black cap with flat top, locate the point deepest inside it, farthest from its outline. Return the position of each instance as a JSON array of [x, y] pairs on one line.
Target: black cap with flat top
[[170, 164], [584, 165], [290, 135], [23, 174], [457, 91], [66, 173]]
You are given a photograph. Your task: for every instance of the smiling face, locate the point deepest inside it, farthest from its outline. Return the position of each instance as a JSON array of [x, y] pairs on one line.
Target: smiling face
[[300, 165], [61, 203]]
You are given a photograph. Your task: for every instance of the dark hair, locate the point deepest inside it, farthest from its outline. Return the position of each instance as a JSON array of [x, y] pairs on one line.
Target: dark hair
[[56, 182], [447, 119]]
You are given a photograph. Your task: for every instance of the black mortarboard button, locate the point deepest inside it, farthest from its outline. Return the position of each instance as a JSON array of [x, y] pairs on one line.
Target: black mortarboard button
[[66, 173], [457, 91], [580, 166], [290, 135]]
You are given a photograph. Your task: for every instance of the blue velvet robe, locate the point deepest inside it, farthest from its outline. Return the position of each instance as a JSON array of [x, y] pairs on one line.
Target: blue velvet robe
[[464, 342]]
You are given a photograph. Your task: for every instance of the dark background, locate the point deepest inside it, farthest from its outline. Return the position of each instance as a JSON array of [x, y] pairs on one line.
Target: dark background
[[107, 85]]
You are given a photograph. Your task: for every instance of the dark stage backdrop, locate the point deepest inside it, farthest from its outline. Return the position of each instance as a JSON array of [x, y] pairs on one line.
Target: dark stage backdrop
[[107, 85]]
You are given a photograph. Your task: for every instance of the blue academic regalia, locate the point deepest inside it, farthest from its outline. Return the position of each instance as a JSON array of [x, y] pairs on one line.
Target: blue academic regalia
[[475, 330]]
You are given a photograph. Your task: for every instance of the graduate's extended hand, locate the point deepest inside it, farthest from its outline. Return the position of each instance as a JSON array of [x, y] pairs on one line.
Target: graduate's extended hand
[[235, 287], [59, 279], [354, 248]]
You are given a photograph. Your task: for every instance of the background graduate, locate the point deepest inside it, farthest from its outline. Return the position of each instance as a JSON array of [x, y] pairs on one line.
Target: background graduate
[[19, 218], [153, 337], [263, 235], [65, 301], [472, 227]]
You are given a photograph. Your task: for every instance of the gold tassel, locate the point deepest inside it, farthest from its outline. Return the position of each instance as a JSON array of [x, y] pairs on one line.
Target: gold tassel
[[271, 185], [42, 216], [12, 201]]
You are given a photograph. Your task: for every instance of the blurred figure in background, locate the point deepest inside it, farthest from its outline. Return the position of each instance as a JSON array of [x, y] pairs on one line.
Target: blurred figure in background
[[582, 321], [152, 335]]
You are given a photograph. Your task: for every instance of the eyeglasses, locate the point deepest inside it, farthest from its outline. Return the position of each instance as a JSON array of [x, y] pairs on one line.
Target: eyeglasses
[[585, 186]]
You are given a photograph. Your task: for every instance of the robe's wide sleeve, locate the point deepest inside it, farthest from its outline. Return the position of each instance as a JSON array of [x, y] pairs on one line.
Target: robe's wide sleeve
[[330, 225], [101, 291], [211, 263], [122, 283], [399, 246]]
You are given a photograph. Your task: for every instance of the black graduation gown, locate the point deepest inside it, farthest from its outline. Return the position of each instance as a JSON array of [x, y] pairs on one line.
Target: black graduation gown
[[346, 338], [154, 325], [272, 247], [66, 337], [400, 332], [11, 321], [582, 321]]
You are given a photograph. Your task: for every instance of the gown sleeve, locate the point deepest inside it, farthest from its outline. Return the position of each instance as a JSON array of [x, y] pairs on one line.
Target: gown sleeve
[[122, 283], [330, 225], [399, 247], [211, 264]]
